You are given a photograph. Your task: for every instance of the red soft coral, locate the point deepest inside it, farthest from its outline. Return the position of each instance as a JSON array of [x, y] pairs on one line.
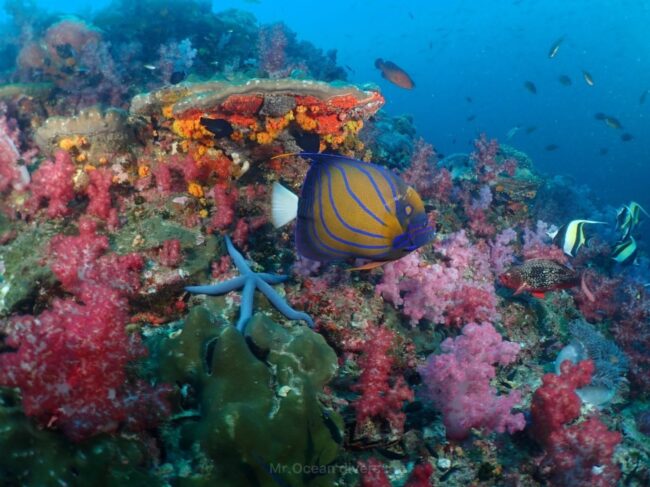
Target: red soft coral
[[70, 361], [382, 393], [581, 455], [52, 184], [555, 402]]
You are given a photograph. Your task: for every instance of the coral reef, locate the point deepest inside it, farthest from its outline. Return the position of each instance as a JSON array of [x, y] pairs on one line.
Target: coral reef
[[136, 155]]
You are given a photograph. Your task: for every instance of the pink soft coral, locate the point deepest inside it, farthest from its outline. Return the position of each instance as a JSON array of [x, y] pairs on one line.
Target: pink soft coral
[[455, 290], [52, 184], [458, 382]]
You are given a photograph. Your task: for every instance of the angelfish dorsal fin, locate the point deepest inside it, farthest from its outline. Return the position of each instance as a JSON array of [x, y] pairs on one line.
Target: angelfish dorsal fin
[[284, 205]]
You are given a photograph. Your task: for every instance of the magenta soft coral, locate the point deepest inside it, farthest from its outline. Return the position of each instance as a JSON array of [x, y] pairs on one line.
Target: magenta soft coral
[[455, 290], [70, 361], [52, 184], [458, 382], [382, 393]]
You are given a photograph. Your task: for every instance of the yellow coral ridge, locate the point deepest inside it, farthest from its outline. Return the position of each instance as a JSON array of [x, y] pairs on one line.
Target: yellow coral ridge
[[190, 129], [195, 190]]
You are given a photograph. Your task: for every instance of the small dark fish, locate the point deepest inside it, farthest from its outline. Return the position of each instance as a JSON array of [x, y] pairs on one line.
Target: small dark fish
[[588, 78], [643, 97], [471, 118], [430, 45], [530, 86], [468, 99], [551, 147], [612, 122], [565, 80], [537, 276], [626, 137], [217, 126], [531, 129], [393, 73], [349, 68], [307, 141], [603, 151], [552, 52], [600, 116], [625, 251], [177, 77], [411, 16]]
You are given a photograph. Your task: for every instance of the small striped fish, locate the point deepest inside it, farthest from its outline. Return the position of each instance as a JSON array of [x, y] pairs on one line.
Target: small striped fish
[[571, 236], [352, 209]]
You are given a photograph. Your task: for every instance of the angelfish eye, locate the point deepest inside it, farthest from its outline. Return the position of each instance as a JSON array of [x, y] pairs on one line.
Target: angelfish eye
[[408, 209]]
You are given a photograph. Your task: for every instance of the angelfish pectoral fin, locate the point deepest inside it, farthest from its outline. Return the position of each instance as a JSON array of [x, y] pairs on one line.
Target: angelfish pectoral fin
[[284, 205], [369, 266]]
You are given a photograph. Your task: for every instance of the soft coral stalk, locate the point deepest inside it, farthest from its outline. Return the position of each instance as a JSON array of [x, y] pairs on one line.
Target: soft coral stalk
[[458, 382], [382, 396]]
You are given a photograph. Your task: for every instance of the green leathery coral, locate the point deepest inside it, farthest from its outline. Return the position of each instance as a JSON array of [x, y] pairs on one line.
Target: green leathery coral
[[33, 456], [260, 418]]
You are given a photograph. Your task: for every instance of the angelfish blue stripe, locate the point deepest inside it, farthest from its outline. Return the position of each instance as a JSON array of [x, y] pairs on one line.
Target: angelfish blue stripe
[[374, 185], [333, 236], [356, 198], [338, 215]]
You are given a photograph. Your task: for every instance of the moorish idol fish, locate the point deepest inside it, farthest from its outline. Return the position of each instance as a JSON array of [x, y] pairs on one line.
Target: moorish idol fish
[[571, 236], [625, 251], [352, 209], [628, 217]]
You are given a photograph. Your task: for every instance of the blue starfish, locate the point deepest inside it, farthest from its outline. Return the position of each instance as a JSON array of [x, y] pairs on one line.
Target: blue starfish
[[250, 281]]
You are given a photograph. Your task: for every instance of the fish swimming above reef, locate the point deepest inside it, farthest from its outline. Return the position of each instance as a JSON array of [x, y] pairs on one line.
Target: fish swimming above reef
[[217, 126], [612, 122], [530, 86], [393, 73], [626, 137], [628, 217], [352, 209], [625, 251], [588, 78], [538, 276], [552, 52], [564, 80], [571, 236]]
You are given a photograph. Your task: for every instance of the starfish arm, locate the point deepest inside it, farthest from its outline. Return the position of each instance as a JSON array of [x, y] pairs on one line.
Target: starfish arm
[[237, 257], [281, 304], [272, 278], [246, 305], [220, 288]]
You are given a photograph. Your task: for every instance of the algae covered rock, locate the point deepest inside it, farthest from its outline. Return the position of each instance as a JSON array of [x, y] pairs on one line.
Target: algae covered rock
[[260, 420], [33, 456]]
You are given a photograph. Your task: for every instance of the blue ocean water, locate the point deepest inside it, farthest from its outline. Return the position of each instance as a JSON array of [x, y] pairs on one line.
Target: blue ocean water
[[460, 49]]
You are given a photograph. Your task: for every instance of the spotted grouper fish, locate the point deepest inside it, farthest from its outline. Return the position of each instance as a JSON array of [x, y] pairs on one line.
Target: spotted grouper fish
[[538, 276]]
